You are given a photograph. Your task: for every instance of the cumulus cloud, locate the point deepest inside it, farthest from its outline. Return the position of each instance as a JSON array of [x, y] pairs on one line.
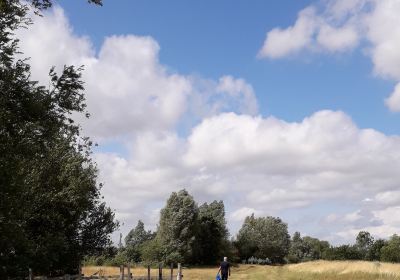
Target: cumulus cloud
[[332, 38], [393, 101], [282, 42], [240, 91], [126, 74], [265, 166], [339, 26], [240, 214]]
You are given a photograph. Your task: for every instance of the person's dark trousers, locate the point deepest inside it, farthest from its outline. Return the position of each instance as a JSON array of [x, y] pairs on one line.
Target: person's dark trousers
[[224, 276]]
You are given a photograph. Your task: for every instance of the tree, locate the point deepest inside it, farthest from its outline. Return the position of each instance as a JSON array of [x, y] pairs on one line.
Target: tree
[[313, 248], [51, 213], [151, 251], [296, 250], [177, 227], [374, 253], [306, 248], [391, 251], [212, 235], [364, 242], [265, 237], [135, 238]]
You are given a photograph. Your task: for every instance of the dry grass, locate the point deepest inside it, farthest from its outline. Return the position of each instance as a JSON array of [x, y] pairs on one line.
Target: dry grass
[[320, 270]]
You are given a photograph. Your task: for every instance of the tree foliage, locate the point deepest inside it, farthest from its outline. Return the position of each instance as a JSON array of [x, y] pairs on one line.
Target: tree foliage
[[364, 242], [391, 251], [264, 237], [51, 212], [306, 248], [342, 252], [375, 251], [135, 239], [177, 228], [212, 234]]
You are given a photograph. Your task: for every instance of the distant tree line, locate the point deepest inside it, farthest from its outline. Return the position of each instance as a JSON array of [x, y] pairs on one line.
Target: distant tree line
[[186, 233], [198, 235]]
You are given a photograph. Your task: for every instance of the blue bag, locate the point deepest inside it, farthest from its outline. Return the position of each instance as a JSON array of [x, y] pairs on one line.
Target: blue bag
[[218, 277]]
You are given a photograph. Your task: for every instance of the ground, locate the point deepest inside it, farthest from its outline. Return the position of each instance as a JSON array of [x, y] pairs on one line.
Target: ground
[[319, 270]]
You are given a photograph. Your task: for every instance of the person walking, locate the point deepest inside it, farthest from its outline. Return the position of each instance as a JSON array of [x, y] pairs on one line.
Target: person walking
[[225, 269]]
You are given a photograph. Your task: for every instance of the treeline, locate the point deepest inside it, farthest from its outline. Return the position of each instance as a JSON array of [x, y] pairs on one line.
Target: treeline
[[198, 235]]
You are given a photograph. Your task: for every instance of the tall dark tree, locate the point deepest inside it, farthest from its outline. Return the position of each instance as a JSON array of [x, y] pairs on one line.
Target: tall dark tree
[[212, 234], [51, 212]]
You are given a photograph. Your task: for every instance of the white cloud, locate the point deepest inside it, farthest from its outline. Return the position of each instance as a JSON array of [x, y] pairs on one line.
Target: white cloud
[[240, 214], [393, 101], [388, 198], [283, 42], [126, 74], [383, 31], [380, 223], [240, 91], [49, 42], [340, 25], [335, 39], [352, 217], [314, 32]]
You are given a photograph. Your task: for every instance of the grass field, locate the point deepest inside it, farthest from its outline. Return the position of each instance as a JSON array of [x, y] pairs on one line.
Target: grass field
[[320, 270]]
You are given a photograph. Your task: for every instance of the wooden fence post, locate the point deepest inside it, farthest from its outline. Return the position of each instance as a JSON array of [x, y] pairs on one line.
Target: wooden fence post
[[172, 271], [148, 273], [129, 272], [30, 276], [121, 272], [160, 271], [179, 272]]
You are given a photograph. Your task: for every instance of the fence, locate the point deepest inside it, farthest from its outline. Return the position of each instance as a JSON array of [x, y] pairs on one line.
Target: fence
[[121, 276]]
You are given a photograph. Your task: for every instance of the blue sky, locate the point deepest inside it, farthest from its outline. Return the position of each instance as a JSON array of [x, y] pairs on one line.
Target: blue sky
[[214, 38], [284, 108]]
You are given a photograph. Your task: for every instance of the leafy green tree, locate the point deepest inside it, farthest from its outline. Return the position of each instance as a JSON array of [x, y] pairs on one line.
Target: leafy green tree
[[177, 227], [306, 248], [212, 235], [135, 238], [313, 248], [296, 249], [51, 213], [391, 251], [265, 237]]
